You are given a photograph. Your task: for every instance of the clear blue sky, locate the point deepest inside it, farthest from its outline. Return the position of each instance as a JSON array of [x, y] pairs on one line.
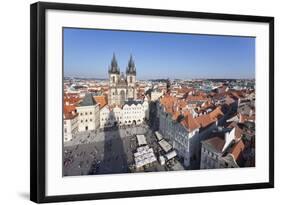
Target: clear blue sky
[[88, 53]]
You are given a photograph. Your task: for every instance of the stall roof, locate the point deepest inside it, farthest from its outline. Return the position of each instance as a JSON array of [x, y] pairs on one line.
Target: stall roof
[[141, 140], [162, 160], [158, 136], [143, 156], [165, 145], [171, 155]]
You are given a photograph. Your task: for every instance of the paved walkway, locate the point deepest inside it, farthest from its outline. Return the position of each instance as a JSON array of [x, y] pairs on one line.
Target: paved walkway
[[99, 136], [101, 152]]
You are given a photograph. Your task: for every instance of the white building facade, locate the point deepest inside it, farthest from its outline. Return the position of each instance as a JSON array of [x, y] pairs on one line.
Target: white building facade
[[70, 125], [177, 134], [212, 151], [132, 112], [156, 94], [88, 114]]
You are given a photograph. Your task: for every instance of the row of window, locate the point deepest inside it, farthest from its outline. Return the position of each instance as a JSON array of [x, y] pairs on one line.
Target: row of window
[[86, 120], [131, 113], [107, 113], [109, 123], [125, 113], [111, 118], [133, 108], [130, 117], [130, 79], [86, 113]]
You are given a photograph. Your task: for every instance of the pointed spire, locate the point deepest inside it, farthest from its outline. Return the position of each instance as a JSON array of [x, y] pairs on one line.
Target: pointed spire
[[131, 69], [114, 65], [113, 61], [131, 62]]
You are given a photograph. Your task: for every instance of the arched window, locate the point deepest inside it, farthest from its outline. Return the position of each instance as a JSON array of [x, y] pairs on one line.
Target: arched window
[[131, 79], [113, 79]]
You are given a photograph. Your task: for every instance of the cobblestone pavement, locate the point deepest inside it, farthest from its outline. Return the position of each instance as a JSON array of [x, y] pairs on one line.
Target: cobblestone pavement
[[108, 152], [102, 152]]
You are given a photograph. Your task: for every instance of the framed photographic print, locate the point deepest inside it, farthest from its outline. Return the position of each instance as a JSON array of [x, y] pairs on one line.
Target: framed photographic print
[[129, 102]]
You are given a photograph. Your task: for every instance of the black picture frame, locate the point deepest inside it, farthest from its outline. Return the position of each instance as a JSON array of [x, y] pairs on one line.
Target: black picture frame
[[38, 100]]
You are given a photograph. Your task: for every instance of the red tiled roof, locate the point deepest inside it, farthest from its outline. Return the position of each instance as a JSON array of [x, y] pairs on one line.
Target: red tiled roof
[[196, 98], [189, 122], [238, 130], [101, 100], [237, 149], [71, 99], [69, 108], [216, 141], [168, 102], [175, 115], [204, 120], [216, 113], [69, 111]]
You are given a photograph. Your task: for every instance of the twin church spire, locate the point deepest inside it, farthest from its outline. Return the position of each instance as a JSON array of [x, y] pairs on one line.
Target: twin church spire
[[131, 68]]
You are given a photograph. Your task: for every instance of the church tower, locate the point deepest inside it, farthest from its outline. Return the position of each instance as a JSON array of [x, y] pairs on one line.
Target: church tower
[[114, 75], [131, 79], [113, 71]]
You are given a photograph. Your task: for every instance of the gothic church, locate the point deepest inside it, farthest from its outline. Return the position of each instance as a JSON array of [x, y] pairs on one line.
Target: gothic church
[[121, 88]]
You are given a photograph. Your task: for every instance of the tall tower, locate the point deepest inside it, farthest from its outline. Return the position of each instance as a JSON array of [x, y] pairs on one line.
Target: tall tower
[[131, 79], [114, 75]]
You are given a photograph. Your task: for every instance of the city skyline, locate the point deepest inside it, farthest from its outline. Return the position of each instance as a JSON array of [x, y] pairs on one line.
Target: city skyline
[[189, 56]]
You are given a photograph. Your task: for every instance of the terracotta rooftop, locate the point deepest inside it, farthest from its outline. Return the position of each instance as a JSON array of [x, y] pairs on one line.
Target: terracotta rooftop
[[206, 120], [216, 113], [69, 112], [175, 115], [101, 100], [238, 130], [237, 94], [237, 149], [216, 141], [189, 122], [168, 102], [71, 99], [196, 98]]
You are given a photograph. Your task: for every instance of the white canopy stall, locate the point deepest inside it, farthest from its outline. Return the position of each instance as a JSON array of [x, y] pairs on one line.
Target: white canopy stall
[[141, 140], [165, 145]]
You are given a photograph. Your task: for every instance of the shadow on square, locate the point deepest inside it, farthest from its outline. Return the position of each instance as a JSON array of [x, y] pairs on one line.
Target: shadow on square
[[114, 155]]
